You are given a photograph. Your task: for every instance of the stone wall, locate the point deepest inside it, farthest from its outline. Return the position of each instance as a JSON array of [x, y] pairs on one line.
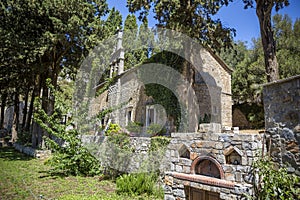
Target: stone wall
[[211, 162], [136, 158], [282, 103], [42, 154], [282, 119]]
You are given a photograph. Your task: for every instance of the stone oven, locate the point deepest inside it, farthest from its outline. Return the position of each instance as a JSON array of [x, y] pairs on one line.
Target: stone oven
[[210, 166]]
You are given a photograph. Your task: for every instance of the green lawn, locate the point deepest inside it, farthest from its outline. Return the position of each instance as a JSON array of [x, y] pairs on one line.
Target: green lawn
[[22, 177]]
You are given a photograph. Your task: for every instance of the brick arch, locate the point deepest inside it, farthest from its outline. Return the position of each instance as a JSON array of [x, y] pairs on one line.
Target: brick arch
[[196, 164]]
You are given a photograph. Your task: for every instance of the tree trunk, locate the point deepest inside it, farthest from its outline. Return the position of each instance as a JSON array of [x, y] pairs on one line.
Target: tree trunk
[[263, 11], [15, 127], [3, 104], [25, 108], [35, 127], [30, 111]]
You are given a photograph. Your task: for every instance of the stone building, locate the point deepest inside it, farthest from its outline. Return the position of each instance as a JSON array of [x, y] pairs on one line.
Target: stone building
[[127, 98]]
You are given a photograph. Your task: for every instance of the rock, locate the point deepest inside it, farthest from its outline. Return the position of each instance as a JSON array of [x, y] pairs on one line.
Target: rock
[[289, 158], [297, 129], [287, 134]]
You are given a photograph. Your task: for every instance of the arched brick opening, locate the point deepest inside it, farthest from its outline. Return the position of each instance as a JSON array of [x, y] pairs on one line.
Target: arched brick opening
[[207, 166]]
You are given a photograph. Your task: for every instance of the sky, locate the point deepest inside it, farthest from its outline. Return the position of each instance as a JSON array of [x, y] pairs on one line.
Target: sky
[[244, 21]]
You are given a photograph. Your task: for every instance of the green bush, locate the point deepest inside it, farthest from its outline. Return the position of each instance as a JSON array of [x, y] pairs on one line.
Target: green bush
[[159, 143], [134, 127], [70, 158], [138, 184], [271, 182], [113, 128], [155, 129], [121, 140]]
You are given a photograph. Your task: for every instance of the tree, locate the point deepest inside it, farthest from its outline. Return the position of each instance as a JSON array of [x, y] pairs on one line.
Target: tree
[[41, 39], [287, 42], [193, 18], [264, 12], [130, 38]]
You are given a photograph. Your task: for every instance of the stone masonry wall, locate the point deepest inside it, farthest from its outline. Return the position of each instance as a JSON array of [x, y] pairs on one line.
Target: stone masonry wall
[[282, 103], [282, 121]]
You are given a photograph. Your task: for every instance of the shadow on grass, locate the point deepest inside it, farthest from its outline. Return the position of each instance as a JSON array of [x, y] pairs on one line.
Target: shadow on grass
[[52, 175], [10, 154]]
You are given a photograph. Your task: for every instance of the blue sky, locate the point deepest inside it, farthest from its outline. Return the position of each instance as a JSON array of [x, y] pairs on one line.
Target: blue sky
[[244, 21]]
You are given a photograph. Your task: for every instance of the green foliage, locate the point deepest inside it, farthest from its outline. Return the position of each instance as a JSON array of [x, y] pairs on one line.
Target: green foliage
[[140, 183], [287, 43], [269, 182], [254, 114], [121, 140], [25, 178], [155, 129], [69, 156], [206, 119], [194, 19], [113, 129], [134, 127], [24, 138], [159, 143]]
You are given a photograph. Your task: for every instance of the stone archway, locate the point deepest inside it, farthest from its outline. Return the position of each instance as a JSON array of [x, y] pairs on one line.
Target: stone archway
[[207, 166]]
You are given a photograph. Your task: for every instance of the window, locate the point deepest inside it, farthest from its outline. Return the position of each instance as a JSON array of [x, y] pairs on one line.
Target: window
[[128, 115], [150, 115]]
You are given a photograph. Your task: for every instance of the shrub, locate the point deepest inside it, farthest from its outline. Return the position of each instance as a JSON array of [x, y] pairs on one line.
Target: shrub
[[138, 184], [113, 128], [159, 143], [155, 129], [271, 182], [121, 140], [134, 127], [69, 158]]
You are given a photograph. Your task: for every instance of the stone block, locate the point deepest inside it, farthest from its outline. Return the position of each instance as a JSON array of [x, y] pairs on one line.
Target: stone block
[[219, 145], [193, 155], [238, 177], [168, 180], [227, 169], [199, 144], [178, 168], [186, 169], [167, 189], [185, 161], [246, 146], [179, 193], [229, 177], [169, 197]]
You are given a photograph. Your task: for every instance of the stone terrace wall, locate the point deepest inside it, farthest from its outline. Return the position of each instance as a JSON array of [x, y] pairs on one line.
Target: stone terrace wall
[[137, 159]]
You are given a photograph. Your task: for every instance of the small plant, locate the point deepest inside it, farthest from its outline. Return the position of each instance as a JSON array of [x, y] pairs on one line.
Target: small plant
[[121, 140], [134, 127], [138, 184], [113, 129], [159, 143], [155, 129], [271, 182], [206, 119]]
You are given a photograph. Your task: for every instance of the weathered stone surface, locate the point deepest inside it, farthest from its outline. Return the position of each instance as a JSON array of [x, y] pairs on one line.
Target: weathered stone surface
[[193, 155]]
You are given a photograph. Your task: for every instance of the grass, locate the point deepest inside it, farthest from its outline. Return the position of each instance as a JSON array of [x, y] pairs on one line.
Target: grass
[[22, 177]]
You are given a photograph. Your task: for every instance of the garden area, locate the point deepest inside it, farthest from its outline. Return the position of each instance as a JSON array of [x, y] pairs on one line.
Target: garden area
[[24, 177]]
